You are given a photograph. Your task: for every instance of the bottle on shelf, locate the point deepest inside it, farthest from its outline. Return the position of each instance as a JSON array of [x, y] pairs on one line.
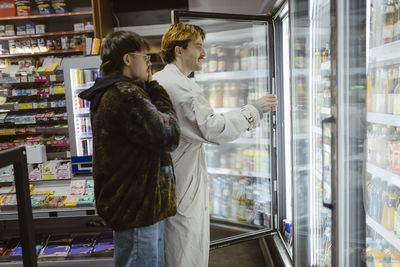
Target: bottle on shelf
[[396, 93], [390, 20], [390, 91]]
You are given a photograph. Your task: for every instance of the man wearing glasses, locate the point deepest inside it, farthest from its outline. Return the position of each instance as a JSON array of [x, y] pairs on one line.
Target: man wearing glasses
[[134, 130]]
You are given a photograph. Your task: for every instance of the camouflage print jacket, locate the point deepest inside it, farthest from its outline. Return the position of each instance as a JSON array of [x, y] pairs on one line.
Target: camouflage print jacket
[[134, 129]]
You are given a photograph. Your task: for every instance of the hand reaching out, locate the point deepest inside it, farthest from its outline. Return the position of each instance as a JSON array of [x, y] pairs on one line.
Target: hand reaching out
[[268, 102]]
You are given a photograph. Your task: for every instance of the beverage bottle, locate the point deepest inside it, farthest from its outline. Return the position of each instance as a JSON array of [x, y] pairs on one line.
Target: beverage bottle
[[395, 152], [396, 93], [387, 261], [381, 147], [381, 89], [397, 219], [369, 261], [390, 91], [219, 95], [213, 59], [227, 96], [388, 28], [213, 96]]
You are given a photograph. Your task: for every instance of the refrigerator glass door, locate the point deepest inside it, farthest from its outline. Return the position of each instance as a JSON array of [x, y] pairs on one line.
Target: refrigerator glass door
[[235, 73], [80, 75], [382, 181], [310, 32]]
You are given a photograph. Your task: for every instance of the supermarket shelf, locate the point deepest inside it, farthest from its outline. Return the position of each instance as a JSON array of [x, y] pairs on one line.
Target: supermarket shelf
[[385, 53], [383, 118], [17, 107], [251, 141], [58, 155], [386, 175], [84, 261], [62, 131], [32, 79], [238, 173], [44, 34], [67, 51], [69, 14], [52, 213], [231, 75], [386, 234]]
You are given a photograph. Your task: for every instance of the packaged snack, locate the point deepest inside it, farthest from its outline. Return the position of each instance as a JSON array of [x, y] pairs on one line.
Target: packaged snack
[[35, 174], [77, 187], [7, 174], [45, 192], [2, 30], [104, 245], [79, 27], [49, 170], [89, 184], [54, 202], [10, 30], [60, 239], [21, 30], [59, 6], [40, 28], [50, 45], [7, 9], [37, 201], [64, 43], [23, 7], [43, 7], [85, 201], [71, 201], [89, 26], [30, 28], [63, 171]]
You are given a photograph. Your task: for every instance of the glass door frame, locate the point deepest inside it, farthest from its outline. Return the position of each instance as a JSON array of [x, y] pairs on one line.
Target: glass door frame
[[176, 15]]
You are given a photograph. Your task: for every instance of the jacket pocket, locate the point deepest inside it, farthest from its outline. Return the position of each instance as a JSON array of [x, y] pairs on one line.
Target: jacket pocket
[[188, 197]]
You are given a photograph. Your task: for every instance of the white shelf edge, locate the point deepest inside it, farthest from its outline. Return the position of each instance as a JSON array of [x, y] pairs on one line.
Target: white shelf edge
[[237, 173], [382, 118], [231, 75], [45, 213], [386, 234], [251, 141], [386, 52], [386, 175]]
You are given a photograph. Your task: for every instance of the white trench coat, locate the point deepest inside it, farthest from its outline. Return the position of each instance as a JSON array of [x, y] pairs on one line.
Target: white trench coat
[[187, 234]]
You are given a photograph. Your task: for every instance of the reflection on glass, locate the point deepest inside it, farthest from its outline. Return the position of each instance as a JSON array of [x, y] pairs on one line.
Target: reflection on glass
[[383, 134], [311, 101]]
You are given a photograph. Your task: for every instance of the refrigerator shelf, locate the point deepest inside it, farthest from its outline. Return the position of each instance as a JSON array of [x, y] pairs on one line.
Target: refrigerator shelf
[[238, 173], [382, 231], [251, 141], [386, 175], [383, 118], [385, 54], [231, 75]]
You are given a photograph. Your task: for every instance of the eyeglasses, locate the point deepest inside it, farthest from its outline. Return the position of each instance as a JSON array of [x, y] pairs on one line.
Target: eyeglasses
[[146, 57]]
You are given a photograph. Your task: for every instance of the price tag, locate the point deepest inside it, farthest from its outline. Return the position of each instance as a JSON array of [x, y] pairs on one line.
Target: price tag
[[53, 104], [31, 79], [35, 105], [53, 78], [14, 93], [24, 79]]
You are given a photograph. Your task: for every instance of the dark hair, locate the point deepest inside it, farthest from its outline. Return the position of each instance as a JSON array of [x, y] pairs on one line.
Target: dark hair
[[115, 46]]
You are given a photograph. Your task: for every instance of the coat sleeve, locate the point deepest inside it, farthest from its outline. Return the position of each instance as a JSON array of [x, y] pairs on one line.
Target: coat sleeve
[[201, 123], [151, 123]]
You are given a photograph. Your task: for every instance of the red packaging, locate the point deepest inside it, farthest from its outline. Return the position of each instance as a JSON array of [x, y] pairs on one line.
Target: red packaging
[[7, 8]]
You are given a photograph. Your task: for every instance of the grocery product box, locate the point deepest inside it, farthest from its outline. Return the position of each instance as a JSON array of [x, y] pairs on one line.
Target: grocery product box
[[36, 154], [7, 8]]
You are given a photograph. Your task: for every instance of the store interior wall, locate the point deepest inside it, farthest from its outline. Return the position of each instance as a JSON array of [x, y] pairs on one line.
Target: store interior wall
[[157, 16]]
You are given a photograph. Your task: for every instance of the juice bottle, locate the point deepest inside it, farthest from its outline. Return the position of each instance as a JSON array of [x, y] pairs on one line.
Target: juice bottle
[[380, 91], [390, 92], [396, 94], [397, 219], [388, 28], [395, 152]]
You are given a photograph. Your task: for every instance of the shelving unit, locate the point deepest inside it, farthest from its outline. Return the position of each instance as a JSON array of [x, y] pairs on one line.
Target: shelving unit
[[386, 175], [383, 232], [383, 118], [49, 16], [231, 75], [44, 34], [52, 52], [238, 172]]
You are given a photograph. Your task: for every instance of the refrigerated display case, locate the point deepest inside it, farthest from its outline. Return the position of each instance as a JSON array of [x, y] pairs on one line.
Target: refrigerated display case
[[238, 69], [383, 132], [80, 74], [327, 54]]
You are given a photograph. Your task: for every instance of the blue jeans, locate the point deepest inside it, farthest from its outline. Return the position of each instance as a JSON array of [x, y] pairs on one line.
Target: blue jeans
[[140, 247]]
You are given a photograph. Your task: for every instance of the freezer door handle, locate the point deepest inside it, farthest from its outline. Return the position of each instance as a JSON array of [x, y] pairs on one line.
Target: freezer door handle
[[325, 203]]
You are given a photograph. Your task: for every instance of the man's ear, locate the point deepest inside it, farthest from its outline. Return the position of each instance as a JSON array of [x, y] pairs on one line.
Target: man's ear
[[127, 59], [178, 50]]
